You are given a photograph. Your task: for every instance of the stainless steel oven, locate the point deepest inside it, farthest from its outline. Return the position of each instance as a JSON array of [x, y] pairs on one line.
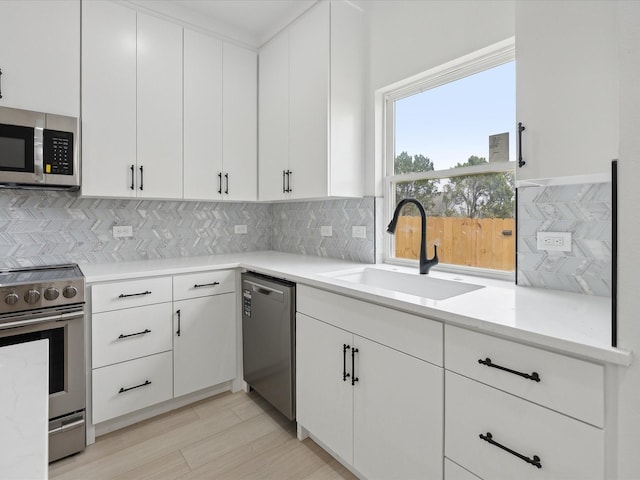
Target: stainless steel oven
[[38, 150], [48, 303]]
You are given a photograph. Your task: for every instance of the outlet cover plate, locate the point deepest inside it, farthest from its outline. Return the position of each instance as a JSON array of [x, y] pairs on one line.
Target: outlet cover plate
[[122, 231], [556, 241], [240, 229], [359, 231], [326, 231]]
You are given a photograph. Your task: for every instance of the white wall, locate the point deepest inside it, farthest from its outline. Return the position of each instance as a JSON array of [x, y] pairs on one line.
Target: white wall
[[629, 238], [408, 37]]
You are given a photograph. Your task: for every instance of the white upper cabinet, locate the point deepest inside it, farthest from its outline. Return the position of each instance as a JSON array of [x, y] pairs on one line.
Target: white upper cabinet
[[159, 104], [108, 99], [239, 123], [202, 116], [40, 55], [311, 83], [567, 94]]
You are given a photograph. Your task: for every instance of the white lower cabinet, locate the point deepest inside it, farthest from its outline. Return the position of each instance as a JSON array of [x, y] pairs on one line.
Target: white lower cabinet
[[453, 471], [499, 436], [128, 386], [204, 343], [351, 397]]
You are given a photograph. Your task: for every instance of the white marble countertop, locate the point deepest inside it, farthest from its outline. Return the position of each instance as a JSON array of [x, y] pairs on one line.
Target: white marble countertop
[[561, 321], [24, 410]]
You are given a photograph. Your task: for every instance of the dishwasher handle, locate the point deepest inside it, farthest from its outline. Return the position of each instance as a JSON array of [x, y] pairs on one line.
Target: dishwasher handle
[[263, 289]]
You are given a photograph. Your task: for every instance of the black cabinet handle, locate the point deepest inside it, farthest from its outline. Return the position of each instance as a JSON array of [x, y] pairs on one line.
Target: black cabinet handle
[[133, 174], [122, 295], [535, 461], [531, 376], [289, 189], [345, 375], [521, 162], [146, 382], [141, 178], [226, 184], [354, 379], [200, 285], [284, 188], [220, 182], [0, 83], [122, 335], [178, 331]]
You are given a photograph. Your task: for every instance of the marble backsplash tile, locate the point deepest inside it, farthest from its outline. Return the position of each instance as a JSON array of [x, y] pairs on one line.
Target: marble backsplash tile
[[585, 211], [296, 228]]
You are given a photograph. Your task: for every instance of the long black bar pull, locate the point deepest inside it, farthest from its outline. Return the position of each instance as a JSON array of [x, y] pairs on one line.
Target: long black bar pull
[[200, 285], [531, 376], [354, 379], [535, 461], [146, 382], [0, 83], [220, 182], [345, 375], [178, 331], [521, 162], [123, 295], [122, 335], [133, 174], [226, 184], [141, 178]]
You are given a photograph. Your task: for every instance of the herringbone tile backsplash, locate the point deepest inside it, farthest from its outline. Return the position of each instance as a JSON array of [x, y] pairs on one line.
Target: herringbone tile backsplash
[[584, 210], [48, 227]]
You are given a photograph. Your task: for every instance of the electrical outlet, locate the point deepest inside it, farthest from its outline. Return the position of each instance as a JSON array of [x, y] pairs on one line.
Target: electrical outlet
[[359, 231], [557, 241], [122, 231], [326, 231], [240, 229]]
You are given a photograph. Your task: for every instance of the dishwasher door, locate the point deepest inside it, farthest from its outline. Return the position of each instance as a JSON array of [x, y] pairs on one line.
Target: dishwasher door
[[268, 337]]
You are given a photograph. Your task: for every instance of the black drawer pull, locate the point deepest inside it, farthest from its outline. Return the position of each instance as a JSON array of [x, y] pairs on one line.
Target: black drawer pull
[[146, 382], [122, 335], [531, 376], [200, 285], [521, 162], [354, 379], [178, 312], [535, 461], [122, 295], [345, 375]]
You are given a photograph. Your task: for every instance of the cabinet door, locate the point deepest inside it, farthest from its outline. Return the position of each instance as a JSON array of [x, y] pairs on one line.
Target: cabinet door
[[398, 409], [309, 108], [202, 116], [108, 99], [159, 103], [204, 350], [566, 96], [324, 399], [239, 131], [40, 55], [273, 120]]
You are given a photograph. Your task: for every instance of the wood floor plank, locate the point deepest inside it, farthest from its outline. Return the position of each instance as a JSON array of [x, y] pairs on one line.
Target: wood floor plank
[[227, 437]]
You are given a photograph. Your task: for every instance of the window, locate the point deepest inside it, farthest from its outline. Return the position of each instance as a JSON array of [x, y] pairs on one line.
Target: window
[[451, 145]]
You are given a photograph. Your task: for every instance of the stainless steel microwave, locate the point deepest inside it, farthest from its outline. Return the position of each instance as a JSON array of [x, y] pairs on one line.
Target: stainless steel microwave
[[38, 150]]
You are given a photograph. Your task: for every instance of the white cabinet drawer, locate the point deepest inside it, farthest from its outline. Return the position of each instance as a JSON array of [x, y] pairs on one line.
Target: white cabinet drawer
[[127, 334], [194, 285], [133, 293], [567, 385], [453, 471], [125, 387], [566, 448], [413, 335]]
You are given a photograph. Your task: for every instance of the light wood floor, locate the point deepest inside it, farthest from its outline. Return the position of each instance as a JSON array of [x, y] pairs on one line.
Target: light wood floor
[[230, 436]]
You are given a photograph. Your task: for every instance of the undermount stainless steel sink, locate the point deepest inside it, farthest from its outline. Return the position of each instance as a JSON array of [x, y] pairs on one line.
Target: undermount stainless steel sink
[[405, 282]]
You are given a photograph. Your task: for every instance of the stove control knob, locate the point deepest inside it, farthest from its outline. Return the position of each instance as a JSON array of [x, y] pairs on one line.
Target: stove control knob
[[12, 298], [51, 293], [32, 296], [70, 291]]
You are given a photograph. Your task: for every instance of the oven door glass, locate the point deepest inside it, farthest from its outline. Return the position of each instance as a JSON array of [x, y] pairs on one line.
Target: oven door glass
[[16, 149], [56, 353]]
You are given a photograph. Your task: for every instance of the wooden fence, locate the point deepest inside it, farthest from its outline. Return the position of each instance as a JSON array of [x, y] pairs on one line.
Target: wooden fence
[[475, 242]]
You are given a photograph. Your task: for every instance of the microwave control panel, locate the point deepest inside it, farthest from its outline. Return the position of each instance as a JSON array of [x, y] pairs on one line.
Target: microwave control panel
[[58, 152]]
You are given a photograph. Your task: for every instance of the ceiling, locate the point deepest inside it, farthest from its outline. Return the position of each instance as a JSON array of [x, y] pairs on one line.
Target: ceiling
[[248, 21]]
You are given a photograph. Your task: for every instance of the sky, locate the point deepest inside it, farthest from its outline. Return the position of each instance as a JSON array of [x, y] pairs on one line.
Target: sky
[[451, 122]]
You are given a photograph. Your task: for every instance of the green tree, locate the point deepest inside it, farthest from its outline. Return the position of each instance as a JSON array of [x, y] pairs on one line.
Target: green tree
[[422, 190], [487, 195]]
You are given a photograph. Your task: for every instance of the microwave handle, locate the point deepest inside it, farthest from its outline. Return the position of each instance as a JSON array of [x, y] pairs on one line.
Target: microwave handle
[[38, 150]]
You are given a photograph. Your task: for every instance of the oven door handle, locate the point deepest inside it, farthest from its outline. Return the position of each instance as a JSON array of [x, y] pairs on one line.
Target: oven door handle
[[36, 321]]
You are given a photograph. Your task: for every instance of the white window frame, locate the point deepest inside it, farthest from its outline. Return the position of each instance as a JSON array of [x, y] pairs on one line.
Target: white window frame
[[485, 59]]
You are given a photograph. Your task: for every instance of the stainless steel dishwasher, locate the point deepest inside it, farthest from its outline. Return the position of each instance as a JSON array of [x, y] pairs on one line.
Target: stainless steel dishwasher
[[268, 338]]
